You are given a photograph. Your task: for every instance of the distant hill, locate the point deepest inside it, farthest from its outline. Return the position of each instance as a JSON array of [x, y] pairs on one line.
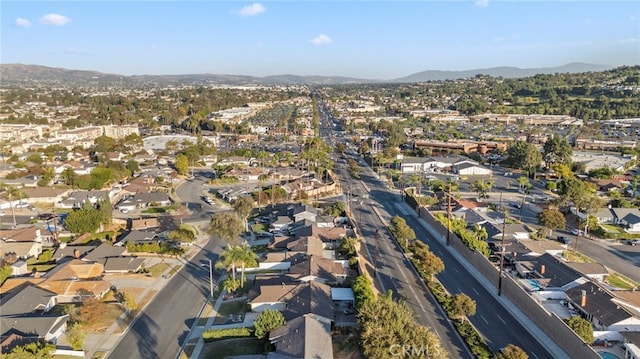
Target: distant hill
[[504, 71], [15, 74], [19, 74]]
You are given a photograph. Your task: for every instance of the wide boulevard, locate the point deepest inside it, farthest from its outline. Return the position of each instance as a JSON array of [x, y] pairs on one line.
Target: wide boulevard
[[368, 198]]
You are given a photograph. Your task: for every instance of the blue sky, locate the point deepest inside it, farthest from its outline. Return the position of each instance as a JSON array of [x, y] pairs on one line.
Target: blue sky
[[365, 39]]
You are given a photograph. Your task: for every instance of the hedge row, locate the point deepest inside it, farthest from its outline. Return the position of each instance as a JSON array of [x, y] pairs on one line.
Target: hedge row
[[210, 335]]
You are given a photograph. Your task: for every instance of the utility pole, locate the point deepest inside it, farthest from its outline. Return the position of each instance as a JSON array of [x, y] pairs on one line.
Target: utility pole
[[449, 215], [502, 252]]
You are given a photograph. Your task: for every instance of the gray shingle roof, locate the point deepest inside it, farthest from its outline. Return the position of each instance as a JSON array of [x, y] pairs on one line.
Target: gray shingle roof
[[302, 337]]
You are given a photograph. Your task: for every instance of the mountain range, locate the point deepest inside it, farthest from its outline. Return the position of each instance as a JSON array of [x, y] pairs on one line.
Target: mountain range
[[20, 74]]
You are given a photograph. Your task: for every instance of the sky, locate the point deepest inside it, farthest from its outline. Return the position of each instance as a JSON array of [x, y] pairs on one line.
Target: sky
[[361, 39]]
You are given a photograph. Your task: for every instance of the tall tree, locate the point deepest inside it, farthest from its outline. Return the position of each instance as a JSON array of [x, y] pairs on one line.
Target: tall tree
[[243, 207], [557, 151], [552, 219], [463, 306], [582, 327], [384, 323], [182, 164], [226, 225], [267, 321], [524, 156]]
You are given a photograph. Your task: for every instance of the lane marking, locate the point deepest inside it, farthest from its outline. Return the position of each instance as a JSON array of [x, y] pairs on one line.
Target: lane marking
[[473, 289], [484, 319], [502, 320]]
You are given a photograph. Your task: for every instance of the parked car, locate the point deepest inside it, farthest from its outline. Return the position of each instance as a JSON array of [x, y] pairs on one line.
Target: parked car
[[577, 232], [633, 242], [564, 239]]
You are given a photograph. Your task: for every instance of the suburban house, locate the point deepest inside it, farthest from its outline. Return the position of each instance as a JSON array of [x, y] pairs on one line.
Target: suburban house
[[77, 198], [301, 211], [70, 281], [629, 218], [292, 298], [235, 161], [140, 237], [303, 337], [546, 272], [317, 268], [24, 317], [602, 308], [22, 250], [144, 200], [418, 165], [45, 194]]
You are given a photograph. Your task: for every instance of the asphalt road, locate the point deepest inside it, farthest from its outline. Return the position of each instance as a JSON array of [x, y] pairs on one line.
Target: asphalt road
[[622, 258], [161, 328], [394, 271], [495, 323]]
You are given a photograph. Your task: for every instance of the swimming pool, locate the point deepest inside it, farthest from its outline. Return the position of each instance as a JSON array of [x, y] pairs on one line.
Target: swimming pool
[[607, 355]]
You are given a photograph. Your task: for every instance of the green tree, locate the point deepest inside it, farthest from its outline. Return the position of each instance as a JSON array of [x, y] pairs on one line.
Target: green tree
[[401, 230], [557, 151], [243, 207], [226, 225], [230, 284], [363, 291], [182, 164], [512, 352], [183, 234], [267, 321], [552, 219], [347, 246], [385, 324], [35, 350], [83, 220], [431, 264], [524, 155], [462, 306], [581, 327], [482, 187], [76, 334]]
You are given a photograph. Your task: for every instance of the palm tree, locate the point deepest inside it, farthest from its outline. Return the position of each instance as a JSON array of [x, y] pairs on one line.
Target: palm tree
[[247, 258], [228, 261]]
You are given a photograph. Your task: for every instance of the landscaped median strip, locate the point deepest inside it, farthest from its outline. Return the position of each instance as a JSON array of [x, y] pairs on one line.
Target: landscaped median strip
[[427, 264]]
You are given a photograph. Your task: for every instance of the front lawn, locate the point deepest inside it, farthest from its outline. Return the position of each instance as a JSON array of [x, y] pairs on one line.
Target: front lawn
[[231, 347], [259, 227], [619, 281], [153, 210]]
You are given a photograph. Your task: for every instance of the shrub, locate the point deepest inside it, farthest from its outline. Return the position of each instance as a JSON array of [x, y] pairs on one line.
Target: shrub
[[210, 335]]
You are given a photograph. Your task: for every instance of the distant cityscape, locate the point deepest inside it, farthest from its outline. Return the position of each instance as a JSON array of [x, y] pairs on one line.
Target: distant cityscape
[[486, 216]]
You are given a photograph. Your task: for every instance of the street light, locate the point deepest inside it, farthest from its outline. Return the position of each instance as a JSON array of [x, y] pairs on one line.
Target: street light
[[210, 278]]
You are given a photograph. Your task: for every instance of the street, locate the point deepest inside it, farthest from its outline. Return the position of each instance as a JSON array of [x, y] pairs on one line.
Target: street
[[160, 329]]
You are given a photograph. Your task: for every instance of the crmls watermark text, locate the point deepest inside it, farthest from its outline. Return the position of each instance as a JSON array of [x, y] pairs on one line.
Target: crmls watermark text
[[409, 350]]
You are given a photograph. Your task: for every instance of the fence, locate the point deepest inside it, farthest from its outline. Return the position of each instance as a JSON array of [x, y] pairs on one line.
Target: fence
[[549, 323]]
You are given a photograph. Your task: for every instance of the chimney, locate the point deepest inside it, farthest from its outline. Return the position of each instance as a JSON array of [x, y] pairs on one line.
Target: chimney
[[583, 298], [542, 269], [76, 254]]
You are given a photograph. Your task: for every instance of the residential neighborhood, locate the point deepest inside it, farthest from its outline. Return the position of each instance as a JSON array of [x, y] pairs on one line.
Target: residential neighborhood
[[287, 218]]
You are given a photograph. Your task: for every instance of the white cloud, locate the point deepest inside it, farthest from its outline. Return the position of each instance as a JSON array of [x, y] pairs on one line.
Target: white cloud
[[629, 40], [252, 10], [54, 19], [482, 3], [498, 39], [321, 39], [20, 22]]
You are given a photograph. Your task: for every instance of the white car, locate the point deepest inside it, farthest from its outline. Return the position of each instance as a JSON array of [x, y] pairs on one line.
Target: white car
[[577, 232]]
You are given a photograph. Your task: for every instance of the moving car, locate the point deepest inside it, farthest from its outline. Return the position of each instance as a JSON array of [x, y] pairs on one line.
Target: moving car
[[633, 242], [564, 239]]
